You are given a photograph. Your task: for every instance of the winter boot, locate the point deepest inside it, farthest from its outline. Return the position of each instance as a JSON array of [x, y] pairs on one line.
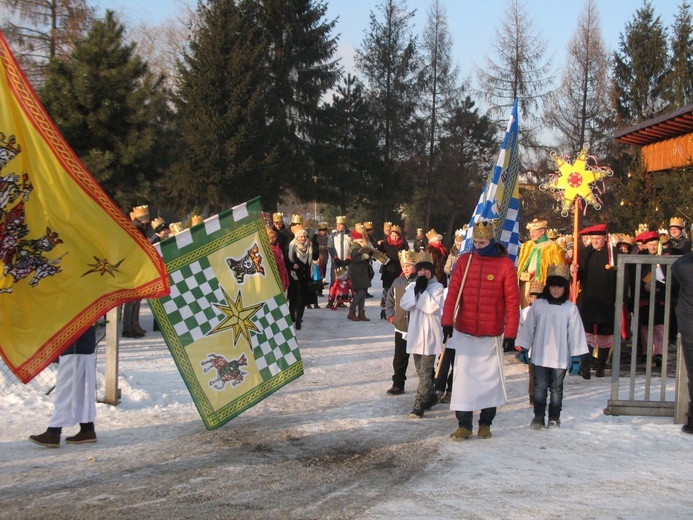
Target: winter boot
[[484, 431], [461, 434], [537, 423], [82, 437], [362, 316], [602, 356], [418, 411], [352, 315], [688, 427], [331, 305], [586, 365], [49, 439]]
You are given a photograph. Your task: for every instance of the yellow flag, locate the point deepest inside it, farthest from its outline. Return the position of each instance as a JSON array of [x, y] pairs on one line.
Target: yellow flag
[[67, 253]]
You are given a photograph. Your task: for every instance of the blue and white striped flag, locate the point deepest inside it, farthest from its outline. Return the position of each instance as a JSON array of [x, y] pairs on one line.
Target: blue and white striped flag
[[500, 198]]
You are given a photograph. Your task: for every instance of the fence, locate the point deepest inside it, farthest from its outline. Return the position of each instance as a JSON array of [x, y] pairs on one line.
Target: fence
[[657, 398]]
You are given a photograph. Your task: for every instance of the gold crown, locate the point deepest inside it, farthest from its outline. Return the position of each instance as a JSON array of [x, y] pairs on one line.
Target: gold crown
[[175, 227], [561, 270], [432, 234], [484, 230], [626, 239], [419, 231], [196, 219], [157, 222], [368, 225], [535, 287], [323, 225], [552, 234], [423, 256], [358, 227], [277, 217], [536, 225], [297, 219], [460, 232], [341, 219], [387, 226], [140, 212], [396, 229], [676, 222], [406, 256], [340, 271], [642, 228]]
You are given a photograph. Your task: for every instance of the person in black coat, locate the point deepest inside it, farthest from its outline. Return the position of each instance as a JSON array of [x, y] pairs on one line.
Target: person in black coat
[[682, 273]]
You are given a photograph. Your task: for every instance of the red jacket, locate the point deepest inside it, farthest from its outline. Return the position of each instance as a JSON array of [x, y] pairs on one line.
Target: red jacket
[[490, 302]]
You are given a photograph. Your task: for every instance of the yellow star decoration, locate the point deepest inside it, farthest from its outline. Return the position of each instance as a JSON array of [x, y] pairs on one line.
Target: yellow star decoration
[[237, 317], [575, 179], [103, 266]]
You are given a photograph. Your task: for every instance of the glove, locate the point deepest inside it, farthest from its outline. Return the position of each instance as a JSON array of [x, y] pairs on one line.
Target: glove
[[574, 368], [447, 332], [508, 345], [421, 284], [337, 262], [524, 356]]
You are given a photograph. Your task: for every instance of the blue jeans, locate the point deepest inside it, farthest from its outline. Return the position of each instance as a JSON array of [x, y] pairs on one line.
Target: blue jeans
[[687, 351], [545, 380]]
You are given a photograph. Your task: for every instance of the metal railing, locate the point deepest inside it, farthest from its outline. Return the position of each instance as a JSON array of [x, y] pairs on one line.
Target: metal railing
[[654, 401]]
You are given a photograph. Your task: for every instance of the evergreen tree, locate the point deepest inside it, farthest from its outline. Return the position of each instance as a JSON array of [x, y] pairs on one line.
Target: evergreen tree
[[111, 111], [579, 109], [680, 91], [250, 88], [640, 69], [440, 91], [40, 30], [519, 70], [388, 58]]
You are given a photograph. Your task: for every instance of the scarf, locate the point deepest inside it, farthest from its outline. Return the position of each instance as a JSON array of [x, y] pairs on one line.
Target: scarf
[[396, 243], [489, 250], [302, 251], [440, 247]]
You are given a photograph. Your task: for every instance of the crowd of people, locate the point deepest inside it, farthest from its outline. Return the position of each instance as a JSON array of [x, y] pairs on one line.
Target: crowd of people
[[458, 312]]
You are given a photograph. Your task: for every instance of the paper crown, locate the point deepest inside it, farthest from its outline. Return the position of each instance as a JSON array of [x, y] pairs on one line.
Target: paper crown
[[323, 225], [175, 227], [484, 230], [423, 257], [297, 219], [341, 220], [419, 231], [626, 239], [432, 234], [396, 229], [387, 226], [140, 212], [561, 270], [642, 228], [277, 217], [536, 225], [676, 222], [460, 232], [552, 234], [535, 287], [406, 256], [158, 224], [368, 225], [196, 219], [359, 228], [340, 271]]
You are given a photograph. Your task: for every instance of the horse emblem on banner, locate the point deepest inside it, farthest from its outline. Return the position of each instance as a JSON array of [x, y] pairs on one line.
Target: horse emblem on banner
[[227, 371]]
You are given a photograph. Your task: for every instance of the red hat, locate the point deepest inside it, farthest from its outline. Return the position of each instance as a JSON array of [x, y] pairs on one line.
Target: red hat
[[649, 236], [638, 237], [597, 229]]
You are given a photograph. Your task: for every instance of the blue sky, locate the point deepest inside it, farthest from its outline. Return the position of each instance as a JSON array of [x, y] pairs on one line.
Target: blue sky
[[472, 22]]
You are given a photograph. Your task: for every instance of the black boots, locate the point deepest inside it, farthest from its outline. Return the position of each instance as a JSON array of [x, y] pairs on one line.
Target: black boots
[[602, 356], [586, 365]]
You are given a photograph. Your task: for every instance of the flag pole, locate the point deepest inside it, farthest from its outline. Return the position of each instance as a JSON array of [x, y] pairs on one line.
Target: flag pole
[[576, 224]]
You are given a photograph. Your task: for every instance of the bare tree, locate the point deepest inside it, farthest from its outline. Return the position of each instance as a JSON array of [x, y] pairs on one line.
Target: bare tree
[[40, 30], [579, 110], [519, 70], [440, 90]]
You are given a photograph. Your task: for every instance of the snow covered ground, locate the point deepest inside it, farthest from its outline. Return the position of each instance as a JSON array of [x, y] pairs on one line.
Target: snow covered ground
[[332, 445]]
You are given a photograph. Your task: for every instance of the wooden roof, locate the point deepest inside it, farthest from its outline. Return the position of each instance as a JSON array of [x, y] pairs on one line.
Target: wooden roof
[[666, 126]]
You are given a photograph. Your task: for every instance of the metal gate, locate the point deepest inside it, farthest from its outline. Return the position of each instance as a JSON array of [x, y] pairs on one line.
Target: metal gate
[[657, 398]]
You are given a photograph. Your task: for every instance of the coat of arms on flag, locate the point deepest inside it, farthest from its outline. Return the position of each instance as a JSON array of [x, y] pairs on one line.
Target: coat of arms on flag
[[68, 254], [226, 321]]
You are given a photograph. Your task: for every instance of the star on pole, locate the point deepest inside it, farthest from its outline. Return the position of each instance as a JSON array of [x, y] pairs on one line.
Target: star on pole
[[576, 180], [236, 317]]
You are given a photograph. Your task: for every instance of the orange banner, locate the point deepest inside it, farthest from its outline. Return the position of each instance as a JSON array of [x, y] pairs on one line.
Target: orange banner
[[67, 253]]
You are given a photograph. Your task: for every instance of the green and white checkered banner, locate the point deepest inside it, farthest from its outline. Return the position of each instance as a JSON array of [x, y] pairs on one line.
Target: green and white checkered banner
[[226, 321]]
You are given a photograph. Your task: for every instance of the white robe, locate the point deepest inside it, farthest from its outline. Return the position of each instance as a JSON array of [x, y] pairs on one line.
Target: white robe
[[478, 376], [424, 333], [75, 389], [552, 334]]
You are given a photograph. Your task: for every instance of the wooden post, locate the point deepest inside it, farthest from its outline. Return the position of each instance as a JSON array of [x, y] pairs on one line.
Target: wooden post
[[112, 393]]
